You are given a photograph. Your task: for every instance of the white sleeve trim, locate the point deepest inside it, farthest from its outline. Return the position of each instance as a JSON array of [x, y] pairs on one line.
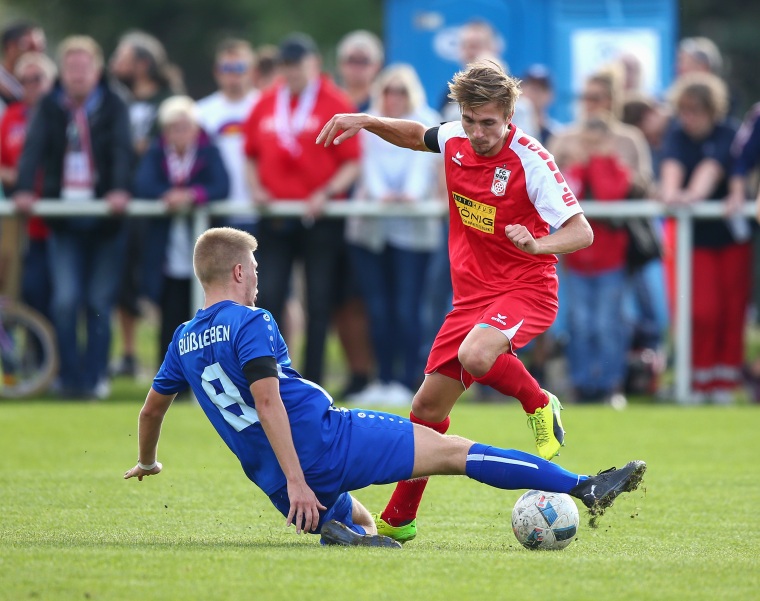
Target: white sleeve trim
[[452, 129]]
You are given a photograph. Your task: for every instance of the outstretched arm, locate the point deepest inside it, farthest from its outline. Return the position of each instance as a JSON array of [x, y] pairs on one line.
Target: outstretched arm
[[399, 132], [304, 505], [149, 430]]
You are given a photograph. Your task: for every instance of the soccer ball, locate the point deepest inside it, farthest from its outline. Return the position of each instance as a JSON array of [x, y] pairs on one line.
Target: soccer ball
[[545, 520]]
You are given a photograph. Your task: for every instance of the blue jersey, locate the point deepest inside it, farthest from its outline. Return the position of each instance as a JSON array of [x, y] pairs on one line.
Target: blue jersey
[[208, 354]]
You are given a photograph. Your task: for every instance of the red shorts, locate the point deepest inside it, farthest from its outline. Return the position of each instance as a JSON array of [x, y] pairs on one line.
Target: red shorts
[[521, 316]]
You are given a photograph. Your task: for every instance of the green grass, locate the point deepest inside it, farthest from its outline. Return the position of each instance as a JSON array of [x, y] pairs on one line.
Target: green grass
[[71, 528]]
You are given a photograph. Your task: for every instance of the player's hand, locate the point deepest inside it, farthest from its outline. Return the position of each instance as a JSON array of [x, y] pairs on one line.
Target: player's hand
[[348, 123], [140, 473], [522, 238], [304, 507]]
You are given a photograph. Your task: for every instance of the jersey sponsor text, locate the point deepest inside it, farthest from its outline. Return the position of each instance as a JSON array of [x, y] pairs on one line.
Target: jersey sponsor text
[[475, 214]]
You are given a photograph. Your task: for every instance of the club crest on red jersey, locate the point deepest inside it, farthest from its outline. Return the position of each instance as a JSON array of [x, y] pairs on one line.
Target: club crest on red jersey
[[500, 179]]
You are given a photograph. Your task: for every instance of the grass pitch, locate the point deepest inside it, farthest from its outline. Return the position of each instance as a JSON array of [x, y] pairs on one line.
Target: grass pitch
[[71, 528]]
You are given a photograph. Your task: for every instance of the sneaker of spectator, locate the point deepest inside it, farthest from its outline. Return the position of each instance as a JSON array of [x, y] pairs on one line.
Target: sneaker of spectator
[[373, 394], [398, 395], [126, 366]]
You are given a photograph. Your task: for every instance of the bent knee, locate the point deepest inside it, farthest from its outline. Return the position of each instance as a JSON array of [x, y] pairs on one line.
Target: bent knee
[[476, 360], [428, 408]]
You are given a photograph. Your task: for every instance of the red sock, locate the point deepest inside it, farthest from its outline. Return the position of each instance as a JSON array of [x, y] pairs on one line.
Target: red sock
[[509, 376], [405, 500]]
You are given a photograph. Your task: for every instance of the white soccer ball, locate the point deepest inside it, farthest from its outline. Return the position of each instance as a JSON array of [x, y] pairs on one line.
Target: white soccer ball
[[545, 520]]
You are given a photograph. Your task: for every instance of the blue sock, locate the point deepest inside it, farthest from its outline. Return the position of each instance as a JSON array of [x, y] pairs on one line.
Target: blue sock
[[513, 470]]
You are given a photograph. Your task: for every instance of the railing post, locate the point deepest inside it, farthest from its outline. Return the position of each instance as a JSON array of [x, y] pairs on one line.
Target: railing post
[[683, 334], [201, 223]]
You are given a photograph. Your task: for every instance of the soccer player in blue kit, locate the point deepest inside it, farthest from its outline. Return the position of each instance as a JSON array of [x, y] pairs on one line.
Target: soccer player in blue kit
[[292, 442]]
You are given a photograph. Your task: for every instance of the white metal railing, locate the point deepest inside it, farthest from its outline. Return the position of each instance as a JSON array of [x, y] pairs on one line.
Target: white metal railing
[[682, 333]]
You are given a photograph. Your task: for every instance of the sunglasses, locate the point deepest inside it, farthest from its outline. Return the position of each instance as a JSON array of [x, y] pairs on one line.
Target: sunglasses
[[359, 61], [31, 80], [592, 98], [238, 68], [395, 91]]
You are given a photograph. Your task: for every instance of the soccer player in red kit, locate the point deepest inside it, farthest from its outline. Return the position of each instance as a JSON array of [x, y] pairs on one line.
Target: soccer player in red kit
[[505, 192]]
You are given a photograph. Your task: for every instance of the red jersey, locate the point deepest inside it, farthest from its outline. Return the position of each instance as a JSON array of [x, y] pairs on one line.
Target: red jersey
[[281, 141], [521, 185], [12, 136]]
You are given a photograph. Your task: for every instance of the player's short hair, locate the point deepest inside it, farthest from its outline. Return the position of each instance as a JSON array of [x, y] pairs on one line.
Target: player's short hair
[[707, 90], [218, 250], [482, 82], [80, 43]]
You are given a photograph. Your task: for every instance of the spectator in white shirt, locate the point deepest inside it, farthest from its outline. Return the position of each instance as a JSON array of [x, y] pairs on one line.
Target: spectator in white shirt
[[223, 113], [391, 254]]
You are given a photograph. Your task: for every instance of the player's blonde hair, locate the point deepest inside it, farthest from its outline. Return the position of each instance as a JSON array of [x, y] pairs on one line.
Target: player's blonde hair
[[218, 250], [482, 82]]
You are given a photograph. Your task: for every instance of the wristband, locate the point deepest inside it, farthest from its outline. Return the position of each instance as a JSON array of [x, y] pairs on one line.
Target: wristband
[[147, 468]]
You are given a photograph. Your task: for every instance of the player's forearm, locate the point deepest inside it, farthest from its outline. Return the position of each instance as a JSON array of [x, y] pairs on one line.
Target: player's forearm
[[575, 234], [149, 425], [399, 132], [274, 420]]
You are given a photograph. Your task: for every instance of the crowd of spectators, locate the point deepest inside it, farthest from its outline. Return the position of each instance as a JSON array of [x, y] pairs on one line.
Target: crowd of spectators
[[83, 129]]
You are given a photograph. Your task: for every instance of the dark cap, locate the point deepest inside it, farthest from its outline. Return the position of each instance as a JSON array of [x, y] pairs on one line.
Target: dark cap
[[538, 73], [295, 47]]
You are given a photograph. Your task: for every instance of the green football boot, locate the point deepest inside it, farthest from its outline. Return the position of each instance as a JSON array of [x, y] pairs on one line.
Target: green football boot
[[547, 428], [402, 534]]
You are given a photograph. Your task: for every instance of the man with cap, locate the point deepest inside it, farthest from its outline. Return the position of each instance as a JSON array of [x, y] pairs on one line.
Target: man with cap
[[284, 165]]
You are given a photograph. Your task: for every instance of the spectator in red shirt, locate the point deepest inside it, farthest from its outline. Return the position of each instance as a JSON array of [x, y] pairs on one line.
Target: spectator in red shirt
[[36, 73], [285, 165]]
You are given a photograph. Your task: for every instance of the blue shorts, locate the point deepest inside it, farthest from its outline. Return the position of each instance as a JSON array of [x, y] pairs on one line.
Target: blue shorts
[[371, 447]]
